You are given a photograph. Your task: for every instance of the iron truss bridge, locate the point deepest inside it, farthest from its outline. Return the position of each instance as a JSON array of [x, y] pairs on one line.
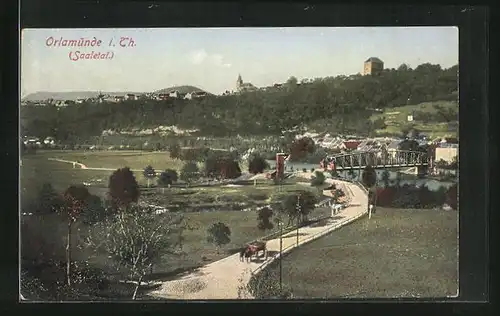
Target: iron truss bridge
[[377, 159]]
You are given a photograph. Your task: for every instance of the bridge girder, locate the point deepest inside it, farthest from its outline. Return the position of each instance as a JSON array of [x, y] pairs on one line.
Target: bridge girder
[[380, 159]]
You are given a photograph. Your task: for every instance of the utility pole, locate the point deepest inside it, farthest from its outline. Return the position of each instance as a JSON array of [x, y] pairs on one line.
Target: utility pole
[[281, 255], [298, 217]]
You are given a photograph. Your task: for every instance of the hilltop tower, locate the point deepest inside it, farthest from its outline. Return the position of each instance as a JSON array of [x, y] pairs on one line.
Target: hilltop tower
[[239, 82]]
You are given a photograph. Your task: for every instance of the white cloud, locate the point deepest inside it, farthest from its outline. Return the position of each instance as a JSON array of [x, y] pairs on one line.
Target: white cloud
[[201, 56], [198, 57]]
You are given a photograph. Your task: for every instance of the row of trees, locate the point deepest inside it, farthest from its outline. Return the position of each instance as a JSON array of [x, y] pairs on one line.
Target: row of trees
[[345, 101], [406, 196]]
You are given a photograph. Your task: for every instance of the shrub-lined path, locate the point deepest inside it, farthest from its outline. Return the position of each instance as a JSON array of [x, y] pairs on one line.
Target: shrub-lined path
[[221, 279]]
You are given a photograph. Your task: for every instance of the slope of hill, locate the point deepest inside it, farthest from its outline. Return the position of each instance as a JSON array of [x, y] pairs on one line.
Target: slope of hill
[[72, 95], [181, 89], [437, 119], [333, 104]]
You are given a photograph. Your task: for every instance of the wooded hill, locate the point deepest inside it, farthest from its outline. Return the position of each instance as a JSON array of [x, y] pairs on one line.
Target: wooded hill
[[341, 103]]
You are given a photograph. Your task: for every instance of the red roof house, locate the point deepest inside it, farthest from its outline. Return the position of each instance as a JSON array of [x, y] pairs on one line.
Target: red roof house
[[350, 145]]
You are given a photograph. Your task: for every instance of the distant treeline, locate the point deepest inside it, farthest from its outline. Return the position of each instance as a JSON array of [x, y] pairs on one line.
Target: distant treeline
[[345, 102]]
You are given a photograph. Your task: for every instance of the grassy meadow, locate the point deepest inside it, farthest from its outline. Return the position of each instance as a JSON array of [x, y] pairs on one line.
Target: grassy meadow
[[202, 205], [398, 253], [396, 118]]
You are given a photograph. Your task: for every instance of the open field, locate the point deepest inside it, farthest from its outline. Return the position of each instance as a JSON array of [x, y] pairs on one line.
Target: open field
[[398, 253], [37, 169], [396, 118], [116, 159], [220, 202], [51, 229]]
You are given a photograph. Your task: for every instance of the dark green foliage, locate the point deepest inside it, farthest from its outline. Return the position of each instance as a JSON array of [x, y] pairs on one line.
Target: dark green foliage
[[407, 196], [168, 177], [195, 154], [189, 172], [94, 210], [48, 199], [301, 147], [219, 234], [149, 172], [409, 145], [306, 201], [385, 177], [318, 179], [123, 187], [174, 151], [348, 100], [222, 166], [257, 164], [369, 176], [264, 216]]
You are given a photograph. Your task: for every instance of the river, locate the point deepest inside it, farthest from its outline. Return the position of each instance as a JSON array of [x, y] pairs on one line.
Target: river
[[431, 184]]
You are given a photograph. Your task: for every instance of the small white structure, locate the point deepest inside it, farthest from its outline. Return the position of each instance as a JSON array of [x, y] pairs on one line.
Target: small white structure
[[409, 118], [174, 94], [370, 208]]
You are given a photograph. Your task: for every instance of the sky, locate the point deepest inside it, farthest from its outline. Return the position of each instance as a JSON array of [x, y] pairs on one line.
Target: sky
[[212, 58]]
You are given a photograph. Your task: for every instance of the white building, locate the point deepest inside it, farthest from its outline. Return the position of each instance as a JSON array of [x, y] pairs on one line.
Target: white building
[[446, 152], [174, 94]]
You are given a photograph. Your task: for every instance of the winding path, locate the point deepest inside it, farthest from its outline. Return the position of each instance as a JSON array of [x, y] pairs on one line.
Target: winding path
[[221, 279], [82, 166]]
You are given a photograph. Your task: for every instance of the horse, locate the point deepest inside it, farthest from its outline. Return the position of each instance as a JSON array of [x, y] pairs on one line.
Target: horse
[[253, 250], [242, 253]]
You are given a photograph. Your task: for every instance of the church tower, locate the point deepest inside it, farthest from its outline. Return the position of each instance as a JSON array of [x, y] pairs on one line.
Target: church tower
[[239, 82]]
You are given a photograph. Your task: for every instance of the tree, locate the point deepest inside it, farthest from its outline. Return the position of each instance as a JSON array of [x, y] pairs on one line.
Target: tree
[[307, 202], [369, 179], [409, 145], [222, 166], [174, 151], [149, 173], [75, 198], [385, 178], [123, 188], [168, 177], [301, 147], [95, 211], [219, 234], [49, 200], [369, 176], [257, 164], [403, 67], [318, 179], [136, 239], [264, 216], [189, 172], [229, 169]]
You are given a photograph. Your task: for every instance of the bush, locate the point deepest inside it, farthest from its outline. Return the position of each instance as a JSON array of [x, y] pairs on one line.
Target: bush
[[257, 164], [410, 197]]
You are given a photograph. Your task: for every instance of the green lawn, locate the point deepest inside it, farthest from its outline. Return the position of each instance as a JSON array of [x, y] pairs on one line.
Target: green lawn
[[396, 119], [396, 253], [37, 169], [117, 159]]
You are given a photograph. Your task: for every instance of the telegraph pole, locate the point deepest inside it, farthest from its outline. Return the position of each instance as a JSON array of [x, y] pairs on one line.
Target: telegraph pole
[[281, 255], [298, 217]]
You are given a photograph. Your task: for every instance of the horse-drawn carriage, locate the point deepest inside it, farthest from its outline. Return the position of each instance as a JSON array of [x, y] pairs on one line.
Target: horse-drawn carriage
[[253, 249]]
